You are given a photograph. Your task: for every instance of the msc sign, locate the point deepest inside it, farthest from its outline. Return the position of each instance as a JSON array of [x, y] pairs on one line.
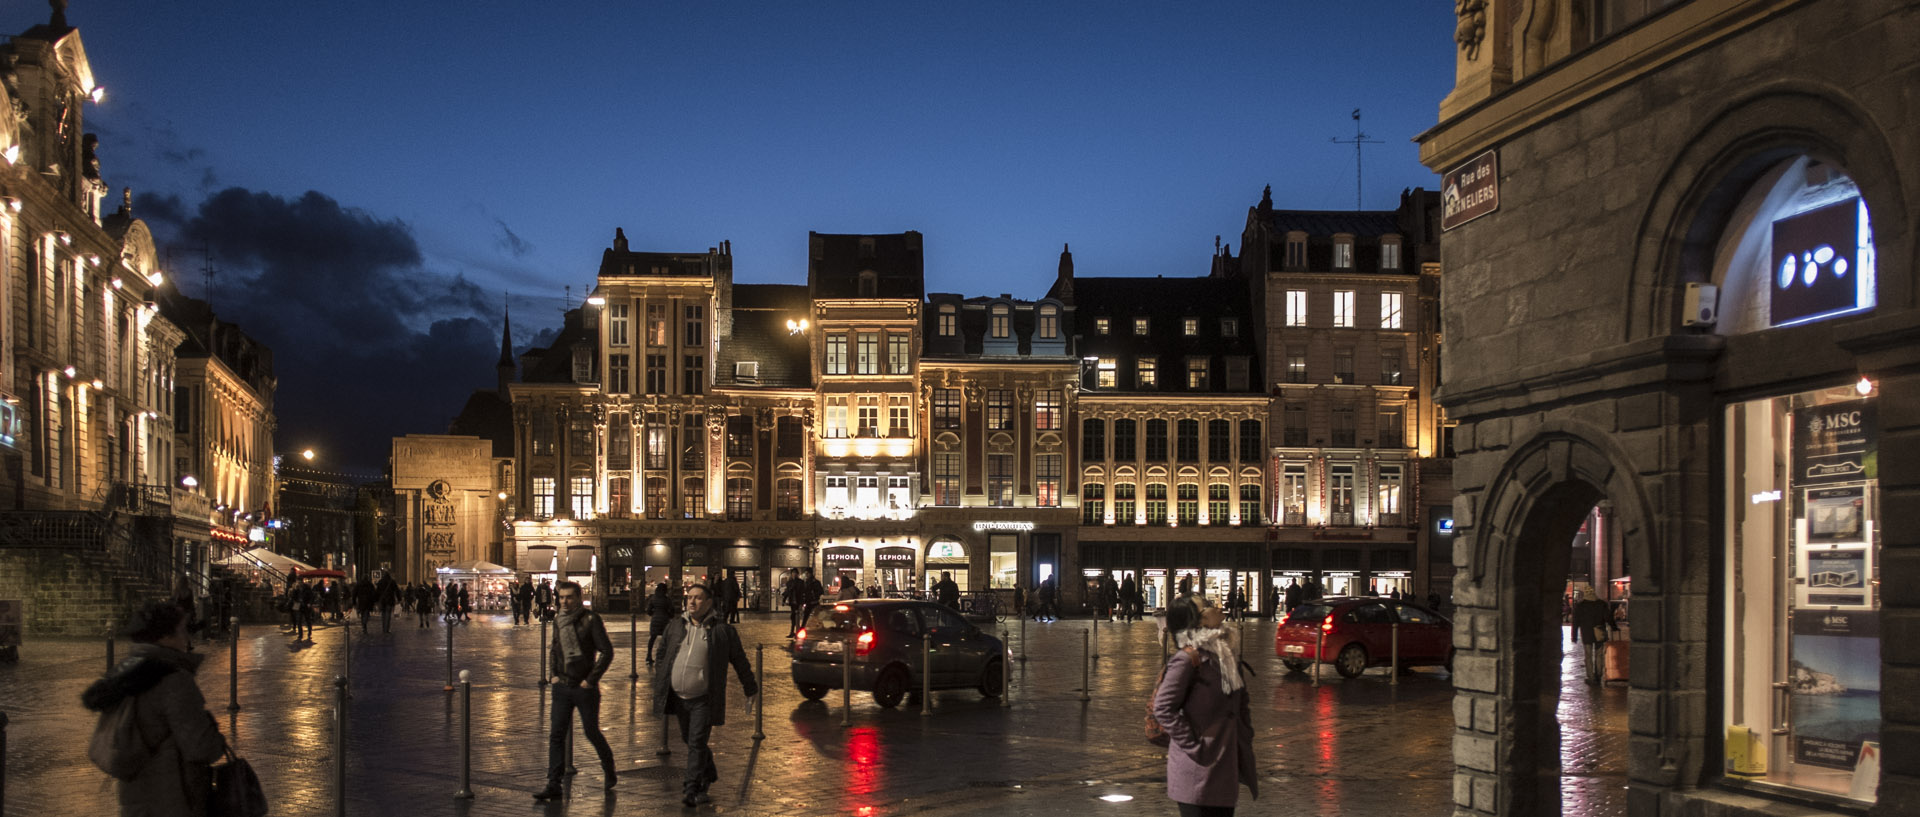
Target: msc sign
[[1470, 191]]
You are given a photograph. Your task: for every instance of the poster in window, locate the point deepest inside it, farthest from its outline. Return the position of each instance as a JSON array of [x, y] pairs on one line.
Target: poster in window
[[1836, 515], [1833, 686], [1833, 443], [1835, 577]]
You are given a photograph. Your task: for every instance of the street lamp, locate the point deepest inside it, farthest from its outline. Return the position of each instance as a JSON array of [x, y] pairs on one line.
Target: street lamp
[[307, 455]]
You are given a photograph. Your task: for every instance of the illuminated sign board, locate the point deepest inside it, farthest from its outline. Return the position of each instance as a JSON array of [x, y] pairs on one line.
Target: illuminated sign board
[[1822, 264], [1019, 526]]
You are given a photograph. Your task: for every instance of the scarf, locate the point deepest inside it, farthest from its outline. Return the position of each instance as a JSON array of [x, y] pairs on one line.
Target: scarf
[[1220, 643], [568, 636]]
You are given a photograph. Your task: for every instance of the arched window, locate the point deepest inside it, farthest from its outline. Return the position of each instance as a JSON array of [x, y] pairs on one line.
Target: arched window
[[1799, 249]]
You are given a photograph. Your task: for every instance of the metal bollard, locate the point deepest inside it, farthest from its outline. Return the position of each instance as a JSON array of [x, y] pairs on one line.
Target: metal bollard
[[1319, 654], [926, 676], [1006, 672], [346, 656], [340, 746], [1086, 669], [633, 645], [233, 668], [3, 762], [109, 649], [1096, 635], [1023, 639], [664, 728], [1395, 680], [466, 737], [449, 657], [543, 652], [760, 701], [846, 684]]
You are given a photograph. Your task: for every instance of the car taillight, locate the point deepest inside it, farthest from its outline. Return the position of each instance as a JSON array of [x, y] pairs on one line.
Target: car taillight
[[1326, 625], [800, 636], [863, 644], [1286, 618]]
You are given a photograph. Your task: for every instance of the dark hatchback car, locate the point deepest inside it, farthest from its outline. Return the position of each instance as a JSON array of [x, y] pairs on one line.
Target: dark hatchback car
[[1358, 634], [882, 639]]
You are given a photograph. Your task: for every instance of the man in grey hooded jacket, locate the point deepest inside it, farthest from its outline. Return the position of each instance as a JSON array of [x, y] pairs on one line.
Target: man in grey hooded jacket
[[690, 681]]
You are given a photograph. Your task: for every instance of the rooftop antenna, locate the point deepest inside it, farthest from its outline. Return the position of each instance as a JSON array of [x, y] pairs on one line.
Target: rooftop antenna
[[1358, 141]]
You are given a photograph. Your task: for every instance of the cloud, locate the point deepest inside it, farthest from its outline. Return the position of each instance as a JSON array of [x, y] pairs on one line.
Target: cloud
[[511, 241]]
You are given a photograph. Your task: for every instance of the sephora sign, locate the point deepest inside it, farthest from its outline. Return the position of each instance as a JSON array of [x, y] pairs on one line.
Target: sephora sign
[[1822, 264]]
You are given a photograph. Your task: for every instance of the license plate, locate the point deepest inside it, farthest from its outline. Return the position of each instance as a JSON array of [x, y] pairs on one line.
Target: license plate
[[827, 646], [1296, 649]]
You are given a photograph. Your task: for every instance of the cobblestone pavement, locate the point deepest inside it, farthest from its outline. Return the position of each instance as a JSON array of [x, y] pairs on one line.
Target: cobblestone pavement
[[1361, 747]]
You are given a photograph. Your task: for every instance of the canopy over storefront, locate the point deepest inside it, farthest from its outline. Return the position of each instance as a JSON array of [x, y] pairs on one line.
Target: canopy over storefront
[[474, 566], [262, 558]]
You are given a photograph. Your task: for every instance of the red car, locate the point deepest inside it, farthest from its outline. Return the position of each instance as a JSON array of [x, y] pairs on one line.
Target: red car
[[1358, 633]]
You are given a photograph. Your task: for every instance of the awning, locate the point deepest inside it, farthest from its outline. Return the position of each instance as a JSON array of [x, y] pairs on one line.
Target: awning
[[262, 557], [474, 566], [537, 560], [579, 559]]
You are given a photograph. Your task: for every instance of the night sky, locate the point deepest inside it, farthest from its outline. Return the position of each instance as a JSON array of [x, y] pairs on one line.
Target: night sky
[[373, 180]]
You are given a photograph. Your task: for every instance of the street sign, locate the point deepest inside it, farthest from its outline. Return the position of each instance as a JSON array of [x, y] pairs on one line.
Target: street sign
[[1470, 191]]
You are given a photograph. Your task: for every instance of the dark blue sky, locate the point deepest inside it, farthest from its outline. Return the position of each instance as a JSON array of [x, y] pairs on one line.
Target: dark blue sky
[[484, 148]]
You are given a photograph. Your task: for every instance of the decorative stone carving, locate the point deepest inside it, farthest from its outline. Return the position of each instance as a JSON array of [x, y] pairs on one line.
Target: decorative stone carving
[[1472, 28]]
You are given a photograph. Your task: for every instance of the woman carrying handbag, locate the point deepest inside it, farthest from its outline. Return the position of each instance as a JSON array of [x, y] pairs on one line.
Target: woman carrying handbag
[[1202, 705]]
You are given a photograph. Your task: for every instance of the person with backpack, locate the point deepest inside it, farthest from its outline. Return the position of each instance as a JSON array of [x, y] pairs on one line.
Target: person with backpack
[[155, 735], [1201, 704]]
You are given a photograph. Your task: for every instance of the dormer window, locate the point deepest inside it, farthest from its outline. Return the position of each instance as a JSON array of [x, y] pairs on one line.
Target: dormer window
[[1141, 326], [1343, 252], [1296, 254], [1229, 328], [1000, 324], [1390, 252], [1102, 326], [1049, 322], [1190, 327], [866, 248], [869, 283], [948, 321]]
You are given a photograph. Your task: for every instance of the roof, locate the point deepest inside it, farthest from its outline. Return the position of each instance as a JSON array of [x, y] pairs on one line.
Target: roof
[[972, 319], [1166, 303], [759, 334], [554, 364], [489, 417], [1324, 223], [836, 264]]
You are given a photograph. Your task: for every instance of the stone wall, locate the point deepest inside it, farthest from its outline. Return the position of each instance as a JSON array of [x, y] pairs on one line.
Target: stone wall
[[70, 592]]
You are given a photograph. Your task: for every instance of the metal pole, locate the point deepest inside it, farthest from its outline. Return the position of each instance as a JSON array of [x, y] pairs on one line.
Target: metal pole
[[3, 762], [1006, 671], [926, 675], [1396, 655], [846, 685], [633, 645], [1023, 639], [1319, 654], [466, 736], [340, 746], [543, 651], [1086, 668], [109, 649], [233, 668], [760, 682], [449, 656], [1096, 635], [346, 655]]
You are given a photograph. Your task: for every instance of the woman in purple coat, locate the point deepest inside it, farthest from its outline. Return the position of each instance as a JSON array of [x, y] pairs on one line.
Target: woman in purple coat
[[1202, 704]]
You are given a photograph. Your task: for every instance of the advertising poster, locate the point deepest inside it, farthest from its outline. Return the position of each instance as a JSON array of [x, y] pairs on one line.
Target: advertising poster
[[1833, 692], [1836, 515], [1833, 444], [1835, 577]]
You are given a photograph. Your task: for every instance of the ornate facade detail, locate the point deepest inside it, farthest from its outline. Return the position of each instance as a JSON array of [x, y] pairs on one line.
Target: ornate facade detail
[[1472, 28]]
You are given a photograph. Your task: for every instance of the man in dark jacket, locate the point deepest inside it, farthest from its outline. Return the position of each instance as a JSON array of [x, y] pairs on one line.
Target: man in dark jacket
[[659, 612], [1592, 627], [523, 602], [363, 599], [386, 593], [580, 654], [946, 591], [170, 716], [690, 682]]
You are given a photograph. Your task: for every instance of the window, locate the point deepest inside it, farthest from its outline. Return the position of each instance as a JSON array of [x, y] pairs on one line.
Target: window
[[620, 374], [836, 354], [1250, 443], [946, 478], [739, 436], [836, 498], [580, 437], [740, 499], [1123, 504], [1390, 310], [1343, 252], [1187, 503], [656, 374], [1229, 327], [1250, 513], [786, 498], [999, 409], [1197, 374], [543, 497], [1141, 326], [1000, 321], [656, 442], [617, 325], [1390, 254], [948, 322], [1239, 370], [1046, 409], [1296, 364], [1146, 376], [1190, 327], [1093, 503], [693, 442], [1393, 429], [1102, 326], [693, 498], [1390, 367], [1124, 442], [580, 496], [899, 416], [789, 438], [1293, 417], [693, 374], [1093, 440], [869, 284], [868, 359], [946, 408], [1219, 440], [836, 426], [696, 318], [1157, 503], [619, 442], [899, 354], [1219, 504], [540, 433], [1386, 500], [1049, 322], [867, 416], [1157, 440], [1343, 429], [656, 324], [620, 497], [899, 493], [656, 498], [1343, 365], [1000, 480], [1296, 307], [1293, 492], [1106, 373], [1187, 440], [1046, 485], [1296, 250], [1343, 308], [1340, 494]]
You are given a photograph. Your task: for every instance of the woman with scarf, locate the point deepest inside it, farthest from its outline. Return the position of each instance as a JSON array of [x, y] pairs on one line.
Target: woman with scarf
[[1202, 704]]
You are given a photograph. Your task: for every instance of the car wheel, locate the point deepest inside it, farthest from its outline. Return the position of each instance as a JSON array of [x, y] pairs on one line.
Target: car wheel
[[890, 687], [1296, 664], [993, 679], [812, 692], [1351, 661]]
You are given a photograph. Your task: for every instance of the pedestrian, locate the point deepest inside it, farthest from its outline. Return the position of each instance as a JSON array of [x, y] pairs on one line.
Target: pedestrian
[[1186, 585], [1203, 705], [691, 684], [579, 655], [1234, 604], [364, 597], [1109, 596], [1273, 602], [386, 593], [815, 592], [730, 599], [336, 600], [1020, 599], [466, 603], [543, 599], [1047, 594], [1128, 589], [183, 598], [659, 612], [792, 593], [305, 606], [180, 738], [1592, 627], [946, 591], [523, 602], [422, 604], [848, 589]]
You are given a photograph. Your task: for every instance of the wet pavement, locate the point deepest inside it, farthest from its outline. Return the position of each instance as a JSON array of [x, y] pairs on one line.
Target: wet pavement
[[1360, 747]]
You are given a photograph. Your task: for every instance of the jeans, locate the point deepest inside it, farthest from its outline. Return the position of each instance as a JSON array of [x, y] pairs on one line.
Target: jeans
[[696, 726], [1596, 662], [566, 700]]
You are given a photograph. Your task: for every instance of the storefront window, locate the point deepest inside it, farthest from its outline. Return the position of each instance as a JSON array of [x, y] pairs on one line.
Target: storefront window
[[1802, 642], [1003, 559]]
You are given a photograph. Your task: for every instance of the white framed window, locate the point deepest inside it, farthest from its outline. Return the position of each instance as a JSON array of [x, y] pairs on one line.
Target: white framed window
[[836, 419], [836, 354], [1000, 324], [1343, 308], [1141, 326], [868, 361], [1390, 253], [1343, 252], [1106, 373], [899, 354], [949, 323], [868, 415], [1190, 327], [1049, 327], [1296, 307], [899, 416], [618, 325], [1229, 327], [1102, 326], [1390, 312]]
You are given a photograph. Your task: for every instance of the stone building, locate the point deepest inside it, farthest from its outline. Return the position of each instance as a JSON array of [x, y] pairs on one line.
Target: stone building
[[446, 505], [1680, 282]]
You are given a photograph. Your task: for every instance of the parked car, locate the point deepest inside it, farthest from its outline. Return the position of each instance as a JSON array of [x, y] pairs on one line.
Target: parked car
[[1358, 634], [882, 639]]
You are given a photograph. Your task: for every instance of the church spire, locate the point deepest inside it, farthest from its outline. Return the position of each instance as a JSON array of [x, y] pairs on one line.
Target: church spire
[[504, 369]]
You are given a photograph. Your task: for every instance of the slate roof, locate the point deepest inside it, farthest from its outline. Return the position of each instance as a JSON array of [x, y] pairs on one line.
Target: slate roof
[[1165, 302], [972, 321], [554, 364], [835, 261], [488, 417], [759, 334]]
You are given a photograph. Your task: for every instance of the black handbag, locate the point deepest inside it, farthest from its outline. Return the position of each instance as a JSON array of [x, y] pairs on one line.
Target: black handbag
[[236, 790]]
